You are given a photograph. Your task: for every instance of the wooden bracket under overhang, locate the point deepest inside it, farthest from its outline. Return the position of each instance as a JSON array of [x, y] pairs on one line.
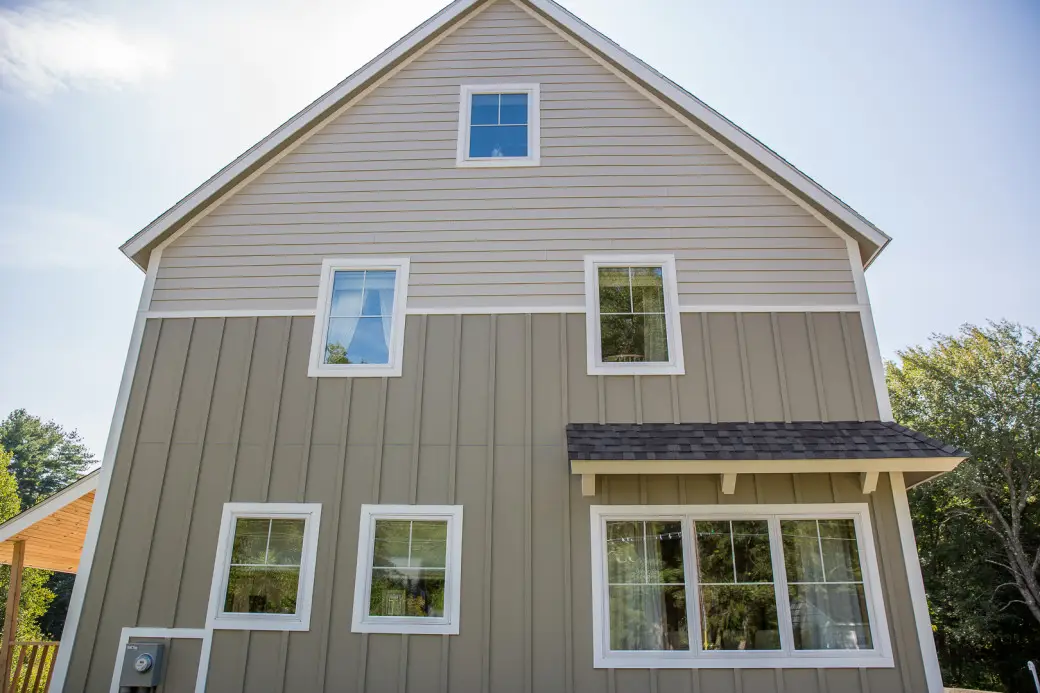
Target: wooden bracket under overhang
[[728, 470]]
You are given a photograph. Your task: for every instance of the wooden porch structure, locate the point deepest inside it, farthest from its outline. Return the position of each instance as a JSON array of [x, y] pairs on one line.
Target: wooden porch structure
[[48, 536]]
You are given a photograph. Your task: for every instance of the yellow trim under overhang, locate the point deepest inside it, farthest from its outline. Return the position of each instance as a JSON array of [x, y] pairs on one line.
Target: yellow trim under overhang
[[729, 469]]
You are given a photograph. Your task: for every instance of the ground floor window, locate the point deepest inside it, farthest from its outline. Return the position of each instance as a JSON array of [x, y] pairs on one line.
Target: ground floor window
[[731, 586], [408, 569]]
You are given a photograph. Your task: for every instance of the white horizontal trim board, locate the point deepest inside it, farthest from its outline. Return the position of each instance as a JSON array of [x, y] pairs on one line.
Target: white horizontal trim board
[[696, 657], [495, 310]]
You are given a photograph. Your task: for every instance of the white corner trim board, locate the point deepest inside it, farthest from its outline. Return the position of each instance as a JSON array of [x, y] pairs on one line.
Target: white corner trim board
[[918, 597], [86, 562], [203, 634]]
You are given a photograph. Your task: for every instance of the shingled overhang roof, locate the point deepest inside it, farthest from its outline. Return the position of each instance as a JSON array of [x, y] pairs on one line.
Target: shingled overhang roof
[[834, 440]]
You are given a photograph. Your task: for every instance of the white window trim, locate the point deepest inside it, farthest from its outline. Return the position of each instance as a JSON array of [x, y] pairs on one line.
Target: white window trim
[[361, 622], [216, 618], [317, 368], [594, 346], [787, 658], [534, 135]]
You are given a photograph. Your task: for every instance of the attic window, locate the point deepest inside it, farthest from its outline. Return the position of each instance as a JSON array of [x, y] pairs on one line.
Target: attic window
[[499, 125]]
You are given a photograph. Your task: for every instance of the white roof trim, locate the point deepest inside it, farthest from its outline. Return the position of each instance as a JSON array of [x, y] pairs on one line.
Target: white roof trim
[[761, 155], [52, 504]]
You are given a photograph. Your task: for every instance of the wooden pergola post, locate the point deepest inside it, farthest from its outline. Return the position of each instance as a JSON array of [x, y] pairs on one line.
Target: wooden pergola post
[[14, 598]]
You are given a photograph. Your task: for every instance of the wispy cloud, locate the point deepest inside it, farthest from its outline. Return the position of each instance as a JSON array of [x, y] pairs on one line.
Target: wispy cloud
[[54, 46]]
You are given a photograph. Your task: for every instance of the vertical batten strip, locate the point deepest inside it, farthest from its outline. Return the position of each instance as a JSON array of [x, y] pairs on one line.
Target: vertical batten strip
[[453, 457], [637, 386], [814, 352], [673, 385], [189, 512], [330, 569], [165, 465], [601, 398], [745, 369], [377, 468], [308, 436], [420, 365], [885, 552], [568, 628], [489, 496], [709, 369], [850, 357], [135, 431], [236, 435], [272, 436], [528, 500], [785, 397]]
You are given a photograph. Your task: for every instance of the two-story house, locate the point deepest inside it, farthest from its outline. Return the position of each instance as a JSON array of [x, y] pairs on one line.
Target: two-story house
[[506, 366]]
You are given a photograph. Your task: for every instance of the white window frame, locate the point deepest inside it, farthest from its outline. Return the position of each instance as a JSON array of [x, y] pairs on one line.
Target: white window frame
[[217, 618], [594, 347], [317, 368], [361, 621], [534, 135], [785, 658]]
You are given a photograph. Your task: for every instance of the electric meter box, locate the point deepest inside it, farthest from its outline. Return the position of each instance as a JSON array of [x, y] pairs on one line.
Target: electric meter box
[[142, 665]]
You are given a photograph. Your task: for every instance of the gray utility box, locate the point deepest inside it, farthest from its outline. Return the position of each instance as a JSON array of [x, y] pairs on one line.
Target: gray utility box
[[142, 665]]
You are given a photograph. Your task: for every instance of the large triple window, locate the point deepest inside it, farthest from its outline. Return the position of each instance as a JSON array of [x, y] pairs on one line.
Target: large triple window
[[730, 586]]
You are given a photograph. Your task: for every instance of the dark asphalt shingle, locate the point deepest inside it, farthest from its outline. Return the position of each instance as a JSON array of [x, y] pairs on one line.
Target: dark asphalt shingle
[[752, 441]]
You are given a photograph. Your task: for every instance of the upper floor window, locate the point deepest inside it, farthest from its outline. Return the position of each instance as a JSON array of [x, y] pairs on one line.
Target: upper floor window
[[264, 573], [632, 316], [359, 323], [499, 125], [735, 586]]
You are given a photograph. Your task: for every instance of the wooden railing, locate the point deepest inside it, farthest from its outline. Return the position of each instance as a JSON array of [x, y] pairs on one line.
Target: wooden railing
[[31, 666]]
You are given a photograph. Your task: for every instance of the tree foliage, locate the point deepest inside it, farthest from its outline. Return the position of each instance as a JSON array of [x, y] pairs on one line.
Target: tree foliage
[[46, 457], [36, 597], [978, 527]]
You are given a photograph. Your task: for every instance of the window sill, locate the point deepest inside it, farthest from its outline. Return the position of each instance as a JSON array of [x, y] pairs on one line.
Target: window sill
[[236, 622], [403, 627], [354, 372], [748, 660], [637, 369], [498, 162]]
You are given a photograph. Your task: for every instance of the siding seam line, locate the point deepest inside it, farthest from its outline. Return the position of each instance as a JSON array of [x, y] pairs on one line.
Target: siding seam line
[[673, 386], [362, 672], [568, 627], [489, 495], [308, 438], [601, 402], [119, 519], [190, 513], [242, 409], [745, 369], [453, 458], [781, 367], [330, 570], [528, 493], [272, 436], [900, 650], [857, 396], [162, 476], [821, 395], [709, 369], [413, 478], [637, 394]]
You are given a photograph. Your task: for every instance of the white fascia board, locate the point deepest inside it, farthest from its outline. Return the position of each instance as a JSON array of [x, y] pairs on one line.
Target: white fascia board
[[802, 466], [303, 120], [759, 153], [74, 491]]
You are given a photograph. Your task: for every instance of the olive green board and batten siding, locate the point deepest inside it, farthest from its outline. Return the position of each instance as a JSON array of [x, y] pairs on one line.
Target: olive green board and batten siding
[[618, 173], [222, 410]]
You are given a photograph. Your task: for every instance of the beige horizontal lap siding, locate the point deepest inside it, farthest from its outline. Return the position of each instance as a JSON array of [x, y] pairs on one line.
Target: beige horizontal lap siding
[[222, 410], [618, 174]]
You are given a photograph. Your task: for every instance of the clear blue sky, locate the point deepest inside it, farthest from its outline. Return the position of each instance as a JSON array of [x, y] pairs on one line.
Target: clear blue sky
[[921, 115]]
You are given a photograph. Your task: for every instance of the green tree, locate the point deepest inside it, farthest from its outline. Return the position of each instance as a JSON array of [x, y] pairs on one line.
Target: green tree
[[36, 597], [46, 457], [978, 527]]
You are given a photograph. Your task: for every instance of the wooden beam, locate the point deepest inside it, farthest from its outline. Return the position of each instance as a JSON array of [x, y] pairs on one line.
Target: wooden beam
[[729, 484], [869, 480], [14, 598], [588, 484]]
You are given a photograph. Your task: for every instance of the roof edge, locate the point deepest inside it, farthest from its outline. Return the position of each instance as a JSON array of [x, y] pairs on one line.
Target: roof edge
[[50, 505]]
